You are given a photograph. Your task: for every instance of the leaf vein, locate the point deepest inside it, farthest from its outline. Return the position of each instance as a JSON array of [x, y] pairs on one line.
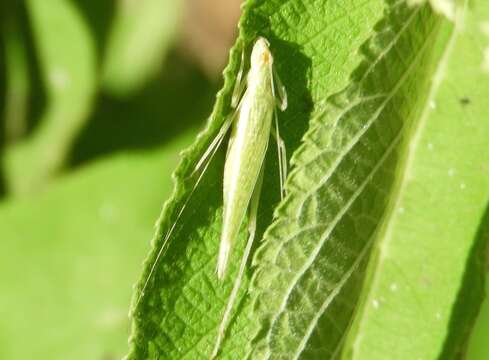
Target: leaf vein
[[350, 271], [357, 192]]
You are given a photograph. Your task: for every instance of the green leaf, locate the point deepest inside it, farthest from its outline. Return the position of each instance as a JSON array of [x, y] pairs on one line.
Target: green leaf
[[338, 192], [142, 33], [312, 265], [68, 257], [426, 278], [66, 53]]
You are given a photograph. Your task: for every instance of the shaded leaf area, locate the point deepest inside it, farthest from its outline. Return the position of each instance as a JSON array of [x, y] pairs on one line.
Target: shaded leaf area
[[150, 118], [3, 105], [477, 346], [310, 270], [99, 16], [316, 48], [470, 295], [426, 279], [17, 78], [68, 257]]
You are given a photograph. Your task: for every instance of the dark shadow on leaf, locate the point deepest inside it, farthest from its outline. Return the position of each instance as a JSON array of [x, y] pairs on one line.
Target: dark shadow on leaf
[[36, 102], [293, 122], [470, 296], [179, 98], [98, 15], [37, 94], [2, 104]]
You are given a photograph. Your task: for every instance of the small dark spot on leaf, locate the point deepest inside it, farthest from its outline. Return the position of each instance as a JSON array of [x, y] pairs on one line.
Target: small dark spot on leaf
[[464, 101]]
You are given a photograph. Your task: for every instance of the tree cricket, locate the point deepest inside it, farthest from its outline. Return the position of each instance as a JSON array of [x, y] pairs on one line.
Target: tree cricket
[[255, 100]]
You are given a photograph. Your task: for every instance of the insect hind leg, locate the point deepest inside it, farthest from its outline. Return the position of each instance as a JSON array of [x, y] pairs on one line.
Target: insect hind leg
[[253, 211], [282, 156]]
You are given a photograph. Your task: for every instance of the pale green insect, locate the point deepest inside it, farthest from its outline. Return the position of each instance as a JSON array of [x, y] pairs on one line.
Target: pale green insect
[[247, 148], [243, 170]]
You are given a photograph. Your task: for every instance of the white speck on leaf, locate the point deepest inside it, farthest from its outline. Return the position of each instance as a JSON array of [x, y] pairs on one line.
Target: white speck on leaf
[[451, 172], [375, 303], [462, 186], [485, 62], [430, 146], [393, 287], [59, 78], [433, 104], [107, 213], [401, 210], [484, 26]]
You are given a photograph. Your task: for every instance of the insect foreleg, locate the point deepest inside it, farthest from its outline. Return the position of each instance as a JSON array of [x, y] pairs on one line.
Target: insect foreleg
[[240, 84]]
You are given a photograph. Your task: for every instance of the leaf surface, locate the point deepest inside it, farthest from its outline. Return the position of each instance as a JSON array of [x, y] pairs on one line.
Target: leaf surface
[[357, 76], [69, 256], [312, 265]]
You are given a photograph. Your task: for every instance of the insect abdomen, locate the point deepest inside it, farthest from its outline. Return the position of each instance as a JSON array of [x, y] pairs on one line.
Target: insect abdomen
[[245, 157]]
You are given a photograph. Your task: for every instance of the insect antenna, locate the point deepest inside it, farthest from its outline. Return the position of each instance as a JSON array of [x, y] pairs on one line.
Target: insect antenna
[[203, 163]]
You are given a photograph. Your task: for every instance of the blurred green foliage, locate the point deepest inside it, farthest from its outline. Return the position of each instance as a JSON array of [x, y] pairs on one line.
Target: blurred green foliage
[[69, 256], [88, 140], [80, 96]]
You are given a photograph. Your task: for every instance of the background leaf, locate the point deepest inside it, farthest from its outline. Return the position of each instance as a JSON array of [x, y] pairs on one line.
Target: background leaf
[[426, 279], [140, 37], [69, 74], [67, 269]]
